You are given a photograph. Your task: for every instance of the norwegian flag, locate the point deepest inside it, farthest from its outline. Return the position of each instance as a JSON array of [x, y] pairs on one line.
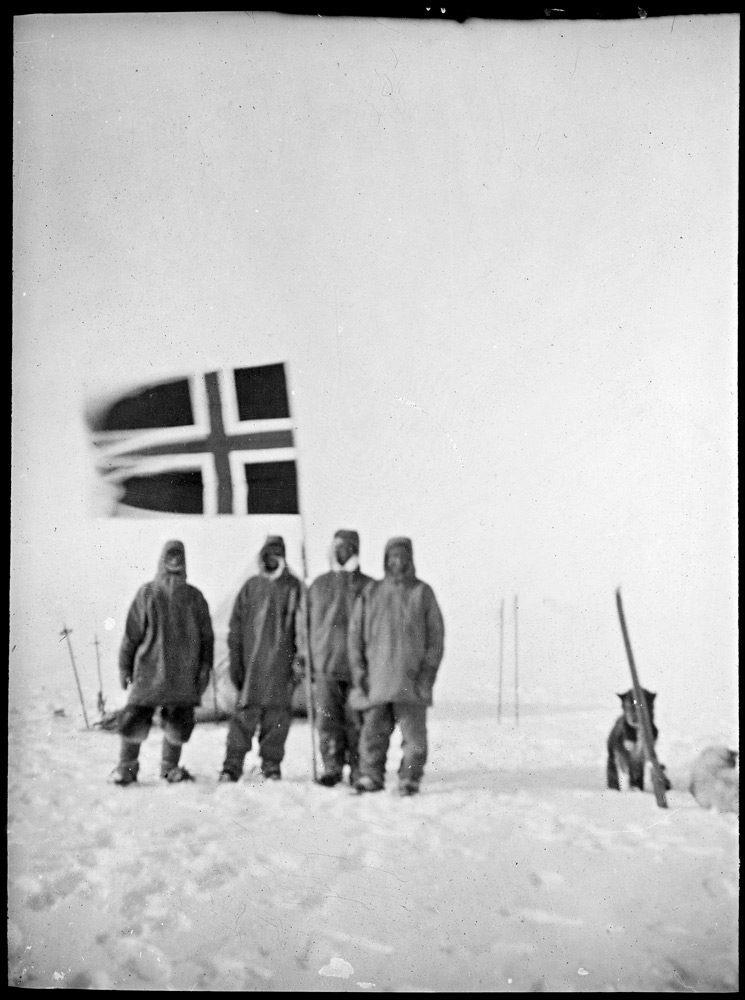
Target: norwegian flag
[[215, 443]]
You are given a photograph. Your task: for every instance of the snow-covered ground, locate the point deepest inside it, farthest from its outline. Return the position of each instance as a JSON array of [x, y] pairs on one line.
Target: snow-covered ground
[[514, 870]]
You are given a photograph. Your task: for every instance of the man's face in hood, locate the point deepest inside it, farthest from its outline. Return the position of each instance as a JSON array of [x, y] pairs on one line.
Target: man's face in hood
[[343, 550], [271, 557], [174, 558], [398, 561]]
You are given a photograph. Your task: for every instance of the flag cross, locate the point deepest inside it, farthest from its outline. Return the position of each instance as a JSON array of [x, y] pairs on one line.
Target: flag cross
[[220, 441]]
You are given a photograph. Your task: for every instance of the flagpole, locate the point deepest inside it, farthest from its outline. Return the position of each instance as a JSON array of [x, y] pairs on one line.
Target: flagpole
[[305, 600], [517, 687], [214, 694], [309, 668]]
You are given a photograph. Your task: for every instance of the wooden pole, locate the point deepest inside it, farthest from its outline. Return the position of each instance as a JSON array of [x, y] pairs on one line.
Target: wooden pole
[[517, 683], [304, 598], [658, 779], [65, 633], [101, 700], [309, 671], [501, 659], [214, 695]]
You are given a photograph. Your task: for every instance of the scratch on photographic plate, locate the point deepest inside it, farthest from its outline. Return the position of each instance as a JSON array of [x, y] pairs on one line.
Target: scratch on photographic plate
[[341, 938], [448, 436]]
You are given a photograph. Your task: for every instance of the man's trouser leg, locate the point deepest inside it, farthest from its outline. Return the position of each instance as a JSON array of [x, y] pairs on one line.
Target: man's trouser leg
[[412, 720], [128, 767], [352, 728], [178, 724], [378, 723], [134, 727], [331, 722], [273, 729], [240, 734]]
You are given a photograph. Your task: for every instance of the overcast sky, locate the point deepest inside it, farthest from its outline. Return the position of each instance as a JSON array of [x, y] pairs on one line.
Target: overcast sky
[[499, 260]]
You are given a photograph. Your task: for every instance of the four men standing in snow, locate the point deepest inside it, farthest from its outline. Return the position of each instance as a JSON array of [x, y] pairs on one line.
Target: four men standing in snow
[[372, 647]]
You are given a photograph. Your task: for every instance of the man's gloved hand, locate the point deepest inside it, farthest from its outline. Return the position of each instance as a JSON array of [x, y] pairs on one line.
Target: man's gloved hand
[[425, 683], [237, 675], [126, 680]]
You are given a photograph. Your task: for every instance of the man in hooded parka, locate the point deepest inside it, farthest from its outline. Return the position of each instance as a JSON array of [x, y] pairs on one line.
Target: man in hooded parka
[[396, 639], [165, 661], [262, 646], [331, 598]]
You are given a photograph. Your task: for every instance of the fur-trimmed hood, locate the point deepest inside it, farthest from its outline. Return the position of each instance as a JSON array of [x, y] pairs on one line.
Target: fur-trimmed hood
[[171, 570], [405, 543], [353, 540], [275, 544]]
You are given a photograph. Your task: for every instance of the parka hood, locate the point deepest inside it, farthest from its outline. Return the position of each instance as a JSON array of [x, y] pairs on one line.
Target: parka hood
[[172, 565], [276, 545], [406, 544], [273, 543], [353, 540], [349, 536]]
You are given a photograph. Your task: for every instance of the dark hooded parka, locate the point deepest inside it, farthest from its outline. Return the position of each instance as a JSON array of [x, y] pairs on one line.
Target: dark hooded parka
[[396, 637], [331, 599], [167, 650], [262, 638]]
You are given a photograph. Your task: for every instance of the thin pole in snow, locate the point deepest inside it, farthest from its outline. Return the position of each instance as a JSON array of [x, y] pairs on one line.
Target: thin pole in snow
[[214, 694], [309, 667], [65, 633], [101, 699], [517, 684], [501, 659], [309, 693]]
